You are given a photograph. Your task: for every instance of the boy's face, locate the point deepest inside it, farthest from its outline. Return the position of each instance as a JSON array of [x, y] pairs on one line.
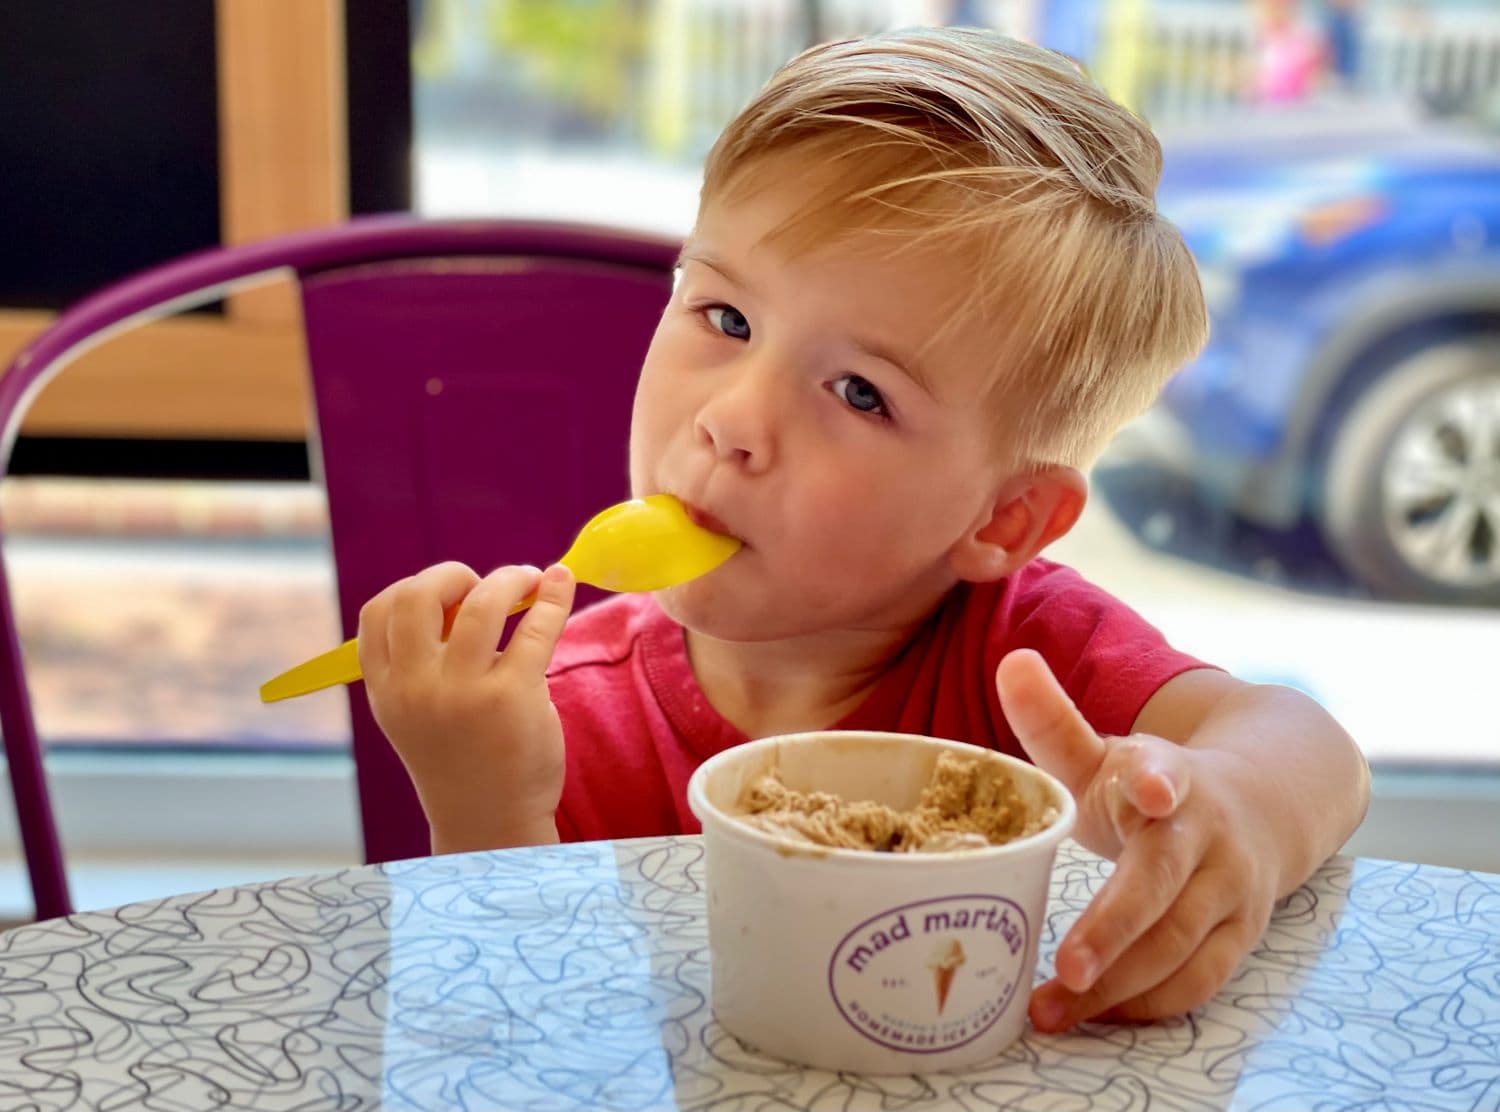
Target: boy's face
[[779, 400]]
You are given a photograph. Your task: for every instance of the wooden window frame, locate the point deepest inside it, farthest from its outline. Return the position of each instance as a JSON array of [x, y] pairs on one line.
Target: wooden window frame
[[283, 167]]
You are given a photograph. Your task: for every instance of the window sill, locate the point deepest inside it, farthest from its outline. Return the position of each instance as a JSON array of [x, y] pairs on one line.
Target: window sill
[[126, 818]]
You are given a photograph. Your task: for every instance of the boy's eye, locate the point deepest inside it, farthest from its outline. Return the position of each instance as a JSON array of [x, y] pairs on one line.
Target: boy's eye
[[730, 321], [861, 394]]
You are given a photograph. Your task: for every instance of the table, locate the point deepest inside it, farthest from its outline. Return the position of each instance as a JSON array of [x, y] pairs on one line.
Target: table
[[577, 977]]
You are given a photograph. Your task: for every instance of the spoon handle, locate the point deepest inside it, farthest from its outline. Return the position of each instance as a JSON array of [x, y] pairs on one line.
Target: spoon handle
[[341, 665]]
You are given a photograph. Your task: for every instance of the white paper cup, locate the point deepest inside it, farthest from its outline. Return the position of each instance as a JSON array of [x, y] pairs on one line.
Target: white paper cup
[[864, 961]]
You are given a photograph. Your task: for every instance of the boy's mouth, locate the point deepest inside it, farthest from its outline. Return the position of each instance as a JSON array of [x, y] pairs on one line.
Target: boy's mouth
[[705, 520]]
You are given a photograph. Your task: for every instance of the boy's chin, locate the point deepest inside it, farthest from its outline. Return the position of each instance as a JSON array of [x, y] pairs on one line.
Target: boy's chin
[[712, 613]]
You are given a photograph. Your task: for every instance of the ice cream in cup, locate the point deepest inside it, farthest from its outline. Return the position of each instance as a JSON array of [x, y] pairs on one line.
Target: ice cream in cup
[[874, 899]]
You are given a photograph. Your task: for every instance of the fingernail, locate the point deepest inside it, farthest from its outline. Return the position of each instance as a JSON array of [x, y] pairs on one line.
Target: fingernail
[[1086, 966], [556, 573]]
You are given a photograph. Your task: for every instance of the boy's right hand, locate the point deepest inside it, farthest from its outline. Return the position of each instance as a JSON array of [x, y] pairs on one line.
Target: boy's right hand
[[475, 727]]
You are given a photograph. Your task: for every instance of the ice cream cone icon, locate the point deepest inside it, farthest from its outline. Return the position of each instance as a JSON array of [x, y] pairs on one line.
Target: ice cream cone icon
[[944, 963], [944, 981]]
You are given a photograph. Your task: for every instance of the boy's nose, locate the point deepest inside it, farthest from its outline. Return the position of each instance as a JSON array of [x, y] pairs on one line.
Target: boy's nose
[[737, 421]]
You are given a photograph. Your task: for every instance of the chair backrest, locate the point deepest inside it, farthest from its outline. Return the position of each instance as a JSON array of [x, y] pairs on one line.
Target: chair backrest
[[472, 383]]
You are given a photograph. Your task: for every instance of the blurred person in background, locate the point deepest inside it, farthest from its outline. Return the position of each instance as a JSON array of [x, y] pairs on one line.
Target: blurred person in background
[[1341, 33], [1289, 54]]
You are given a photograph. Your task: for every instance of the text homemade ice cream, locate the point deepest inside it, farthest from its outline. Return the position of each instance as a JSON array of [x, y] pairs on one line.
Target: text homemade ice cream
[[966, 805]]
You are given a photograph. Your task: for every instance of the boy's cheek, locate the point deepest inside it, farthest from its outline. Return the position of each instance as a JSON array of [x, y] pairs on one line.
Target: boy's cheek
[[649, 435], [664, 400]]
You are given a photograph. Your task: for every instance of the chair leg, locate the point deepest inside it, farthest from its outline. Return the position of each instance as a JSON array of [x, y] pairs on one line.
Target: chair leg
[[28, 781]]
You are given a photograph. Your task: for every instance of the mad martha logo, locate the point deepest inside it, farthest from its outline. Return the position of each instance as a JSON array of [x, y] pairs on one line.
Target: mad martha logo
[[933, 975]]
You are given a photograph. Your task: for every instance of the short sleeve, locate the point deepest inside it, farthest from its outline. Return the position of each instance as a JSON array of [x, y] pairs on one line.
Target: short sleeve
[[1108, 658]]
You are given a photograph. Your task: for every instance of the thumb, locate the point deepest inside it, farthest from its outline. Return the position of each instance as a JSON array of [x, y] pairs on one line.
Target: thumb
[[1056, 737]]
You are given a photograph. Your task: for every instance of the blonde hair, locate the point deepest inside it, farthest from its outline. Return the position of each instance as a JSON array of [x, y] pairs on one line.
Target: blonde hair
[[1037, 187]]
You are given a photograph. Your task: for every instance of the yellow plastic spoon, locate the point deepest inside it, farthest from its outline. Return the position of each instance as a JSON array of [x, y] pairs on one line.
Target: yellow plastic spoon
[[641, 545]]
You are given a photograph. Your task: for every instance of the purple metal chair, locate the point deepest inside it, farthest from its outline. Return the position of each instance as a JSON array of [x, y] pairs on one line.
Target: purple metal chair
[[472, 383]]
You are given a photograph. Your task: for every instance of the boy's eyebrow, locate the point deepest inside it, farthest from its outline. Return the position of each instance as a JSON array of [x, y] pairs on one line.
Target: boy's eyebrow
[[691, 253], [905, 363]]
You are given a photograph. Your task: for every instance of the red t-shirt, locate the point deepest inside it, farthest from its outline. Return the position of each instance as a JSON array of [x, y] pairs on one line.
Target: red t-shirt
[[637, 724]]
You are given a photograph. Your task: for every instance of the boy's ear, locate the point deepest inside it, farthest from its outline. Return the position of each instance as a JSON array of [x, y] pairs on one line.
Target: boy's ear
[[1028, 513]]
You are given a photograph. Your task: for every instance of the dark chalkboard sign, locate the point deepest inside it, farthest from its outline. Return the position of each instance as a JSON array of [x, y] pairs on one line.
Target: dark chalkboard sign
[[108, 142], [109, 150]]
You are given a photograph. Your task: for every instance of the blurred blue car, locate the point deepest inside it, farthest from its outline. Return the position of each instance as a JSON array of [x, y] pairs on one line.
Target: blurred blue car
[[1352, 269]]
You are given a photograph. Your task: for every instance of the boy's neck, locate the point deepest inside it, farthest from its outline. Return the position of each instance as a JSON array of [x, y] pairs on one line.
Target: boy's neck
[[780, 687]]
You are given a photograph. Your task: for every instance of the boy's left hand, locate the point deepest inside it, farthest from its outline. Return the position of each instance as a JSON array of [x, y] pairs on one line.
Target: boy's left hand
[[1196, 871]]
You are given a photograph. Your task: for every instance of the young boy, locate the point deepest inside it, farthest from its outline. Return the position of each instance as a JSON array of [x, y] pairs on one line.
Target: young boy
[[926, 284]]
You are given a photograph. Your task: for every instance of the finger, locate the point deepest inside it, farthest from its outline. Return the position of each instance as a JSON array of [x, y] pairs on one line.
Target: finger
[[416, 608], [534, 640], [1149, 961], [370, 633], [1158, 778], [1049, 727], [1196, 982], [475, 640], [1151, 874]]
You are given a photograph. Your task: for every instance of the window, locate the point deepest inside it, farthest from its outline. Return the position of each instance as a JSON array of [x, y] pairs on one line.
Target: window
[[157, 757], [1315, 501]]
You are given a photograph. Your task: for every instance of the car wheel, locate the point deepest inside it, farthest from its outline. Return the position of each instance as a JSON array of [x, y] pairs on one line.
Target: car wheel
[[1411, 491]]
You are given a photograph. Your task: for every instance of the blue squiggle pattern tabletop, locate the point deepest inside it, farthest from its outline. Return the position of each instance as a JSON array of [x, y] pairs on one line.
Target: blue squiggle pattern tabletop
[[577, 977]]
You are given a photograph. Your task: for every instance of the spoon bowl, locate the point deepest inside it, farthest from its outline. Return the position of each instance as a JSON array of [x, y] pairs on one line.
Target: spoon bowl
[[644, 544]]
